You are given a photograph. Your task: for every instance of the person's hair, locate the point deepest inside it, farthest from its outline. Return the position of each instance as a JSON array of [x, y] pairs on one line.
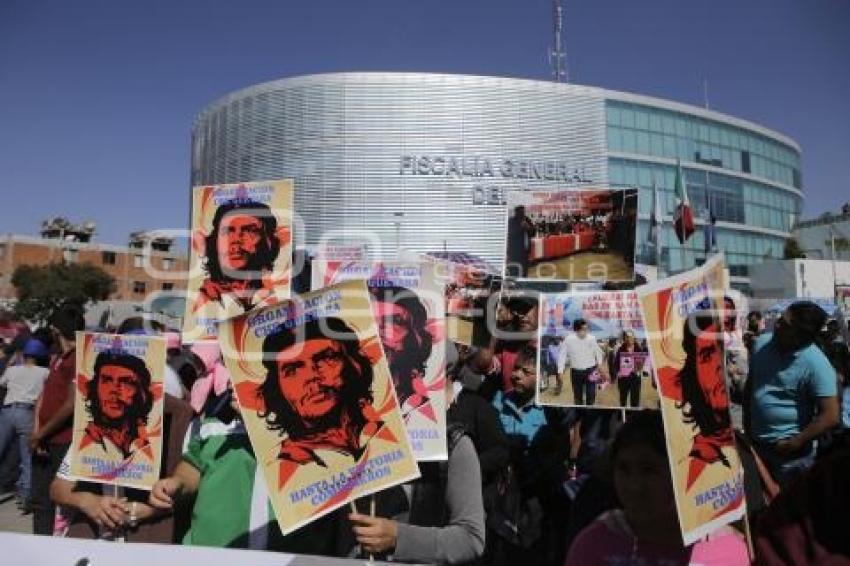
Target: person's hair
[[754, 315], [139, 325], [644, 427], [67, 321], [578, 324], [527, 353], [142, 403], [808, 319], [417, 345], [269, 246], [357, 374], [695, 407]]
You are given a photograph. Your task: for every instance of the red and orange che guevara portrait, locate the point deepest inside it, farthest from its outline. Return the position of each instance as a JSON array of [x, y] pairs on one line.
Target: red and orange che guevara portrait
[[685, 339], [408, 304], [317, 400], [118, 409], [241, 254]]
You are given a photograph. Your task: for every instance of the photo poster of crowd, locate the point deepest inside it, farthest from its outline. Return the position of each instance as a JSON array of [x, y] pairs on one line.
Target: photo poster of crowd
[[316, 397], [685, 338], [118, 409], [593, 353], [571, 235], [408, 305], [241, 252]]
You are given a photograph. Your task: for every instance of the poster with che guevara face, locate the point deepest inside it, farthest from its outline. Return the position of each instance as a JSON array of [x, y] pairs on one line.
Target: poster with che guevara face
[[241, 253], [118, 423], [407, 301], [317, 400], [685, 339]]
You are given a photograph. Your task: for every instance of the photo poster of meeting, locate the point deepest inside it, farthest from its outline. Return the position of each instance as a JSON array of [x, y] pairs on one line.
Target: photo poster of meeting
[[241, 252], [118, 409], [593, 352], [316, 397], [685, 336], [407, 301], [571, 235]]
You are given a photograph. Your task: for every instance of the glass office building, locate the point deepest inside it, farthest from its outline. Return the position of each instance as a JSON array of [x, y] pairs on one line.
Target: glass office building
[[422, 162]]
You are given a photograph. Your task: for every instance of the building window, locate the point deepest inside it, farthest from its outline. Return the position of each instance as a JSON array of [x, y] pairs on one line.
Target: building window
[[167, 263], [138, 261], [167, 286], [138, 287], [108, 258], [2, 250]]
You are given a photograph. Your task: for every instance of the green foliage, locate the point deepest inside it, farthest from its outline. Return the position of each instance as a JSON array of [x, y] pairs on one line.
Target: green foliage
[[43, 289], [793, 250]]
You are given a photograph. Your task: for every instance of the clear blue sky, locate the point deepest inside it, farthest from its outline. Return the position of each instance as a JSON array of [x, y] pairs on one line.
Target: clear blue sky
[[97, 97]]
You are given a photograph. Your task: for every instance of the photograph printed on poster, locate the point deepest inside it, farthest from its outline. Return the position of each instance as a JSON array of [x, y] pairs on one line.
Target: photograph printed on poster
[[513, 345], [571, 235], [407, 302], [118, 426], [468, 283], [241, 254], [316, 397], [686, 344], [593, 352]]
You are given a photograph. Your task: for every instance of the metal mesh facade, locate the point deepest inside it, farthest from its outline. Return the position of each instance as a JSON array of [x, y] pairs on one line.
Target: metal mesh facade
[[344, 139]]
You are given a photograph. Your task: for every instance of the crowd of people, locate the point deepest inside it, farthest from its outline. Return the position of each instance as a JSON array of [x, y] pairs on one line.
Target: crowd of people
[[522, 484]]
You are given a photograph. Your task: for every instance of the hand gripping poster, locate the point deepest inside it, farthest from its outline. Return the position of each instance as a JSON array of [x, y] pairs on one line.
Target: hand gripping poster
[[686, 345], [407, 302], [317, 400], [241, 255], [593, 352], [118, 423]]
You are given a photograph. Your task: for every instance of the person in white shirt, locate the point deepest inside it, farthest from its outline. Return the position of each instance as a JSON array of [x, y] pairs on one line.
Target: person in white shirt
[[584, 356], [23, 386]]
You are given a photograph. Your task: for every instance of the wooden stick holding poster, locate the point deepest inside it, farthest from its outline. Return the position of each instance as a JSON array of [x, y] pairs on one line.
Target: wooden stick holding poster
[[118, 422], [686, 347], [316, 397], [407, 301]]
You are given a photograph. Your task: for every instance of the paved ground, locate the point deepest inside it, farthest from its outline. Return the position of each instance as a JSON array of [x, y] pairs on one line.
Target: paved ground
[[606, 396], [11, 518], [584, 266]]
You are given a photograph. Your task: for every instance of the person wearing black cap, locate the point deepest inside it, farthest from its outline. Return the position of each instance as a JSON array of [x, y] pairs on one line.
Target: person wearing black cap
[[52, 433]]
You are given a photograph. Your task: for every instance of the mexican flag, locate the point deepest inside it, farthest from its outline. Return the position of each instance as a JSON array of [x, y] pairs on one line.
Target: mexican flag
[[683, 218]]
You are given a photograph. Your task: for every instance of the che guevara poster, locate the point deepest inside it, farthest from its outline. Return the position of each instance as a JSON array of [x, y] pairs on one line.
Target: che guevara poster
[[316, 396], [118, 422], [682, 323], [407, 301], [241, 252]]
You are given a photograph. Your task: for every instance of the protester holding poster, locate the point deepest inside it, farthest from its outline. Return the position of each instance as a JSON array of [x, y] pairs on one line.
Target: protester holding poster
[[118, 409], [241, 252], [408, 308], [686, 345], [317, 401]]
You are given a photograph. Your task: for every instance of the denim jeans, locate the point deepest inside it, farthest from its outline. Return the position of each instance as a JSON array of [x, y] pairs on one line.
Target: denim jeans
[[16, 423]]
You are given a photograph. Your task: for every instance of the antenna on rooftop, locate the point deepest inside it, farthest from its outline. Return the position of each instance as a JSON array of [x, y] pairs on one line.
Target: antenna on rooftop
[[558, 54]]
